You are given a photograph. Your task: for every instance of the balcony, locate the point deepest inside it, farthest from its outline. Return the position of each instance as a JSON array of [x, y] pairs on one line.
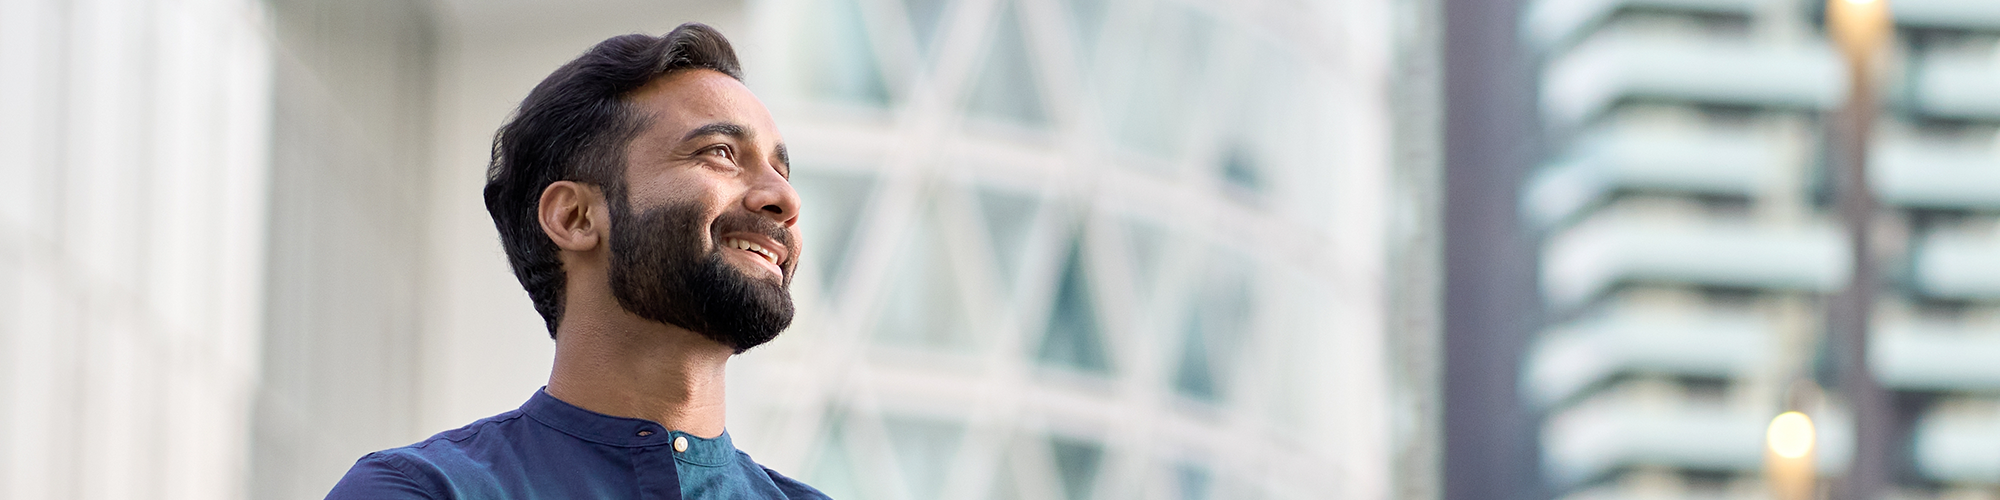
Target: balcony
[[1936, 176], [1954, 442], [1638, 428], [1547, 24], [1573, 358], [1619, 246], [1929, 357], [1610, 69], [1948, 14], [1957, 265], [1662, 159], [1956, 86]]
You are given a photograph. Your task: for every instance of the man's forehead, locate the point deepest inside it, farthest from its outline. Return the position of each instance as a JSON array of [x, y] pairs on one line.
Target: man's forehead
[[688, 99]]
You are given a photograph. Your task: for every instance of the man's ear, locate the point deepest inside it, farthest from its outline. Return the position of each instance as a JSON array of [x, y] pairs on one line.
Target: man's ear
[[572, 214]]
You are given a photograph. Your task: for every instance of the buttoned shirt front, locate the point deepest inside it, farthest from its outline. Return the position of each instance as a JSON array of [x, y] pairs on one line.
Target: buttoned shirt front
[[550, 449]]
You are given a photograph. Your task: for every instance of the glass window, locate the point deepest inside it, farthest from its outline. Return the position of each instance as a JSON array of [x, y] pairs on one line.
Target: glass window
[[1077, 462], [925, 16], [1009, 218], [925, 306], [1073, 339], [833, 203], [925, 448], [1006, 89], [839, 56]]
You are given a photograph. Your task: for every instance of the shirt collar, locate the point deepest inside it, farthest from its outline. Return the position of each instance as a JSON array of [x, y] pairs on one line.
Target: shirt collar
[[620, 431], [705, 452]]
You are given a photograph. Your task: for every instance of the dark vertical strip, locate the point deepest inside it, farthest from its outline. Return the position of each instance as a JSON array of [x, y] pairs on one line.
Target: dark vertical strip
[[1491, 303], [1849, 317]]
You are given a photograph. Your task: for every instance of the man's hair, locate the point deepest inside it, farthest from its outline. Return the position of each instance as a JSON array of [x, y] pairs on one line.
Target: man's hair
[[574, 126]]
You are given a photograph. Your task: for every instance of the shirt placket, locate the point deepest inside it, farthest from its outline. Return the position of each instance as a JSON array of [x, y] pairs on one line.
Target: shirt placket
[[654, 467]]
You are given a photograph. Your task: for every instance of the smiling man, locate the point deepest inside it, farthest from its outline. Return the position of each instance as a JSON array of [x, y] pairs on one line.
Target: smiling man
[[643, 197]]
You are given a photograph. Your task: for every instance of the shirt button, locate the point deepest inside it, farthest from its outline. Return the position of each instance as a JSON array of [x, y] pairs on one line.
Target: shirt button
[[680, 444]]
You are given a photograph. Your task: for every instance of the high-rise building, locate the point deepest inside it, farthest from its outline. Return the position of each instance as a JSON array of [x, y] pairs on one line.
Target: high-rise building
[[1690, 245], [1085, 249]]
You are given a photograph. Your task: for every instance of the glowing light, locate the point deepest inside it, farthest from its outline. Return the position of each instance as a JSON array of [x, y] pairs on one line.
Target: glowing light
[[1861, 27], [1790, 435]]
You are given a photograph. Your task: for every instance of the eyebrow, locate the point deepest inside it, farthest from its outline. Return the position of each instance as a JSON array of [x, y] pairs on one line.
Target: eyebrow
[[728, 129]]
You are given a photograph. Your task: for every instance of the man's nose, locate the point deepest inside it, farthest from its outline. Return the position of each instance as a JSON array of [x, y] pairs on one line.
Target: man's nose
[[771, 196]]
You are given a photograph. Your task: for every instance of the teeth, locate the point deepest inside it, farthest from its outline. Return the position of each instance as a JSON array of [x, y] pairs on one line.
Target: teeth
[[753, 247]]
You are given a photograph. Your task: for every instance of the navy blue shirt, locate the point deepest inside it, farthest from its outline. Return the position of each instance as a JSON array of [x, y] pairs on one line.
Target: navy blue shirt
[[552, 450]]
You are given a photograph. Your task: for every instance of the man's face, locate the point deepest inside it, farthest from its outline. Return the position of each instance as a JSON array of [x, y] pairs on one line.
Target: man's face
[[706, 237]]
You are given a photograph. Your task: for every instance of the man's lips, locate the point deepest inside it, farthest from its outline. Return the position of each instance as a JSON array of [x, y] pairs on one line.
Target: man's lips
[[761, 248]]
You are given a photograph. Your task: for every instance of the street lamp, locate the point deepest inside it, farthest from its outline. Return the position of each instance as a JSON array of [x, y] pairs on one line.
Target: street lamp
[[1789, 443], [1861, 28]]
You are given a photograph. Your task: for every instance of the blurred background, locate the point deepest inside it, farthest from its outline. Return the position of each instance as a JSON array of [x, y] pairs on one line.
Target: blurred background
[[1058, 249]]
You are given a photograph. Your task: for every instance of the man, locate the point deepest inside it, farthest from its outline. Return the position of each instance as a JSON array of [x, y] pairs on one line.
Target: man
[[643, 197]]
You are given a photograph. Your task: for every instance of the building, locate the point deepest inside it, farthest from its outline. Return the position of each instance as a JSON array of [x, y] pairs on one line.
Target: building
[[1689, 244]]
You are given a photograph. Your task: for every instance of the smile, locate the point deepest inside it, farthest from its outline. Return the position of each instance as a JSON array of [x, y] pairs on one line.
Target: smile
[[742, 244]]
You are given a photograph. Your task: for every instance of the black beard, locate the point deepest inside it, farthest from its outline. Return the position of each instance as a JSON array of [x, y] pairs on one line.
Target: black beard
[[660, 271]]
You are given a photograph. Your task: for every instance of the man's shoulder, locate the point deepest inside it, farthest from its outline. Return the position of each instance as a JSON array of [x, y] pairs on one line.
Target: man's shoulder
[[458, 442], [426, 469], [793, 488]]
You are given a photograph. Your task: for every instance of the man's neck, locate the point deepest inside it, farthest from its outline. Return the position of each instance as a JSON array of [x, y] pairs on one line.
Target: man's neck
[[621, 365]]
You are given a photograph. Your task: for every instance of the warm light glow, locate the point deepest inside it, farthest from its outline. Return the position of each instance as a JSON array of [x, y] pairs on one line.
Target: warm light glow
[[1860, 27], [1790, 435]]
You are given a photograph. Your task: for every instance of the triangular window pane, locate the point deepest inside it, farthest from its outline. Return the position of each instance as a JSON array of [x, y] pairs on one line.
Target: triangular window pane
[[839, 57], [1193, 482], [1005, 483], [925, 18], [1157, 91], [1218, 321], [925, 307], [1241, 172], [1194, 375], [832, 211], [1073, 339], [1148, 243], [1009, 216], [1006, 88], [1077, 462], [1086, 17], [833, 470], [924, 450]]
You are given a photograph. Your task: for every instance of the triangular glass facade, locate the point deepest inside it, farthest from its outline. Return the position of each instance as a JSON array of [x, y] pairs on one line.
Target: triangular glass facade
[[1055, 229]]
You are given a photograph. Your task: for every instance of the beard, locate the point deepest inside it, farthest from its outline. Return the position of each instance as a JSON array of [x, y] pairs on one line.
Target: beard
[[660, 270]]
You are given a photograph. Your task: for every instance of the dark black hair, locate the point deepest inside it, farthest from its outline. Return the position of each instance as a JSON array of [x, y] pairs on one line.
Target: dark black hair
[[574, 126]]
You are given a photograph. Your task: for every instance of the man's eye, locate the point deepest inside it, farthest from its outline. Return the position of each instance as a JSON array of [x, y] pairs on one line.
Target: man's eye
[[722, 151]]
